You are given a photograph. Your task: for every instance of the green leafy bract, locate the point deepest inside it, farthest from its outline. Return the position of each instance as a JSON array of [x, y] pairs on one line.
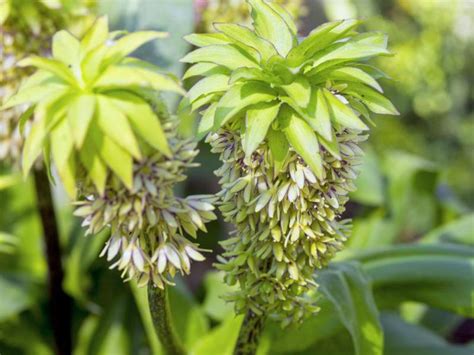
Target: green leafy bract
[[90, 105], [320, 80]]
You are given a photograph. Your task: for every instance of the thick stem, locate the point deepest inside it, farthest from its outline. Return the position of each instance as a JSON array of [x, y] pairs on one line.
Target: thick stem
[[250, 332], [161, 315], [59, 302]]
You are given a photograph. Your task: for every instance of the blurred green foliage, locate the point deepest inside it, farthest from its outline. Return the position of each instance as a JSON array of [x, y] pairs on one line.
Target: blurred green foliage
[[406, 278]]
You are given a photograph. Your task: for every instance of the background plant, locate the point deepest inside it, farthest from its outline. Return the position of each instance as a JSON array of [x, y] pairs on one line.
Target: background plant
[[428, 207]]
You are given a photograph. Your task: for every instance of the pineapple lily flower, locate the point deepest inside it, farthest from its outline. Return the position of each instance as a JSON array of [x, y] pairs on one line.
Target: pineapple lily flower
[[89, 105], [287, 118], [97, 113]]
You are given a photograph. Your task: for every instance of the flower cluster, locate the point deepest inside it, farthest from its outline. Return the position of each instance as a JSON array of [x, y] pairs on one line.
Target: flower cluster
[[287, 222], [148, 223], [98, 115], [26, 28], [287, 118]]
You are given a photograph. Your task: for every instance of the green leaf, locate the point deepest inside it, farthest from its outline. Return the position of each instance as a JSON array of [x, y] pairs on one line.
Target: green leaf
[[79, 116], [129, 43], [67, 49], [53, 66], [354, 74], [285, 15], [207, 85], [17, 294], [303, 140], [206, 39], [271, 26], [221, 340], [114, 124], [318, 39], [214, 305], [343, 114], [299, 90], [257, 121], [320, 118], [247, 37], [207, 121], [124, 76], [118, 159], [246, 74], [239, 97], [439, 276], [278, 146], [362, 46], [375, 101], [460, 230], [411, 339], [33, 95], [33, 144], [5, 8], [143, 120], [62, 145], [94, 164], [97, 34], [348, 289], [226, 55], [204, 69]]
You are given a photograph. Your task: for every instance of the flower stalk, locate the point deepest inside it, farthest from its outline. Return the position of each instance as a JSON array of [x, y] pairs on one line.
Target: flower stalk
[[59, 301], [162, 320], [250, 333]]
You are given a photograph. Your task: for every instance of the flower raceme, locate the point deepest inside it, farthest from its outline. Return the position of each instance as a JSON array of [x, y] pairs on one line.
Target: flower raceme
[[99, 115], [287, 118]]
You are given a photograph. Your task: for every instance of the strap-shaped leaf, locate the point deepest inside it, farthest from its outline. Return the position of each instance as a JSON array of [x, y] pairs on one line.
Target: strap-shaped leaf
[[143, 120], [304, 141], [362, 46], [246, 74], [299, 90], [67, 49], [61, 143], [97, 34], [129, 43], [285, 15], [352, 74], [318, 39], [319, 114], [114, 124], [206, 39], [33, 144], [257, 121], [204, 69], [33, 95], [210, 84], [5, 8], [247, 37], [207, 121], [94, 164], [123, 76], [119, 160], [271, 26], [279, 147], [228, 56], [375, 101], [51, 65], [239, 97], [80, 114], [343, 114]]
